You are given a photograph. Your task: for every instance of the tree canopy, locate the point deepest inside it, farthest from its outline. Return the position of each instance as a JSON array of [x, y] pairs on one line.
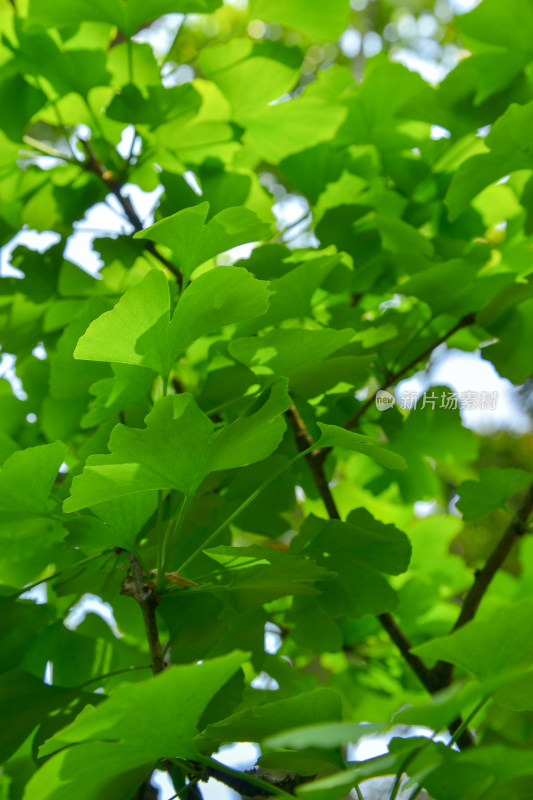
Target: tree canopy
[[232, 230]]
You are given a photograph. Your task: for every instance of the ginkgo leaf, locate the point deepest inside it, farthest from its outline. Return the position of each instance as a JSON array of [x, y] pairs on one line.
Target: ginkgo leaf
[[491, 647], [26, 701], [254, 725], [176, 698], [222, 296], [135, 331], [326, 734], [334, 436], [170, 452], [292, 292], [509, 150], [27, 478], [116, 522], [311, 16], [359, 551], [288, 351], [259, 574], [193, 240], [278, 131], [68, 377], [138, 329], [123, 751], [251, 74], [495, 485], [256, 434], [510, 354], [441, 709], [178, 448], [121, 770], [374, 544], [129, 18]]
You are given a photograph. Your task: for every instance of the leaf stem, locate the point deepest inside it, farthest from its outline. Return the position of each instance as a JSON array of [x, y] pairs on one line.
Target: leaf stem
[[464, 725], [61, 571], [416, 791], [46, 150], [410, 758], [411, 341], [169, 539], [112, 675], [241, 508], [159, 532]]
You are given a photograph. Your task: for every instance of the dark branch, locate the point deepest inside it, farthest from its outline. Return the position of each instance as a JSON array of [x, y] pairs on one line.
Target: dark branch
[[146, 791], [319, 456], [148, 603], [93, 164], [430, 679], [423, 673], [193, 792], [303, 442], [516, 528], [484, 577]]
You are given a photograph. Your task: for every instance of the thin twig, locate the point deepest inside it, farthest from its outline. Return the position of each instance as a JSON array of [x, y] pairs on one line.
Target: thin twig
[[411, 342], [517, 527], [483, 578], [148, 603], [281, 233], [93, 164], [46, 150], [59, 572], [395, 376], [458, 733]]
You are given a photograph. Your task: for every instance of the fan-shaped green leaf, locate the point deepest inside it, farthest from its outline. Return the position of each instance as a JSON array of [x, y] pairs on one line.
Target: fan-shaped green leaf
[[495, 485], [333, 436], [178, 448], [194, 241]]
